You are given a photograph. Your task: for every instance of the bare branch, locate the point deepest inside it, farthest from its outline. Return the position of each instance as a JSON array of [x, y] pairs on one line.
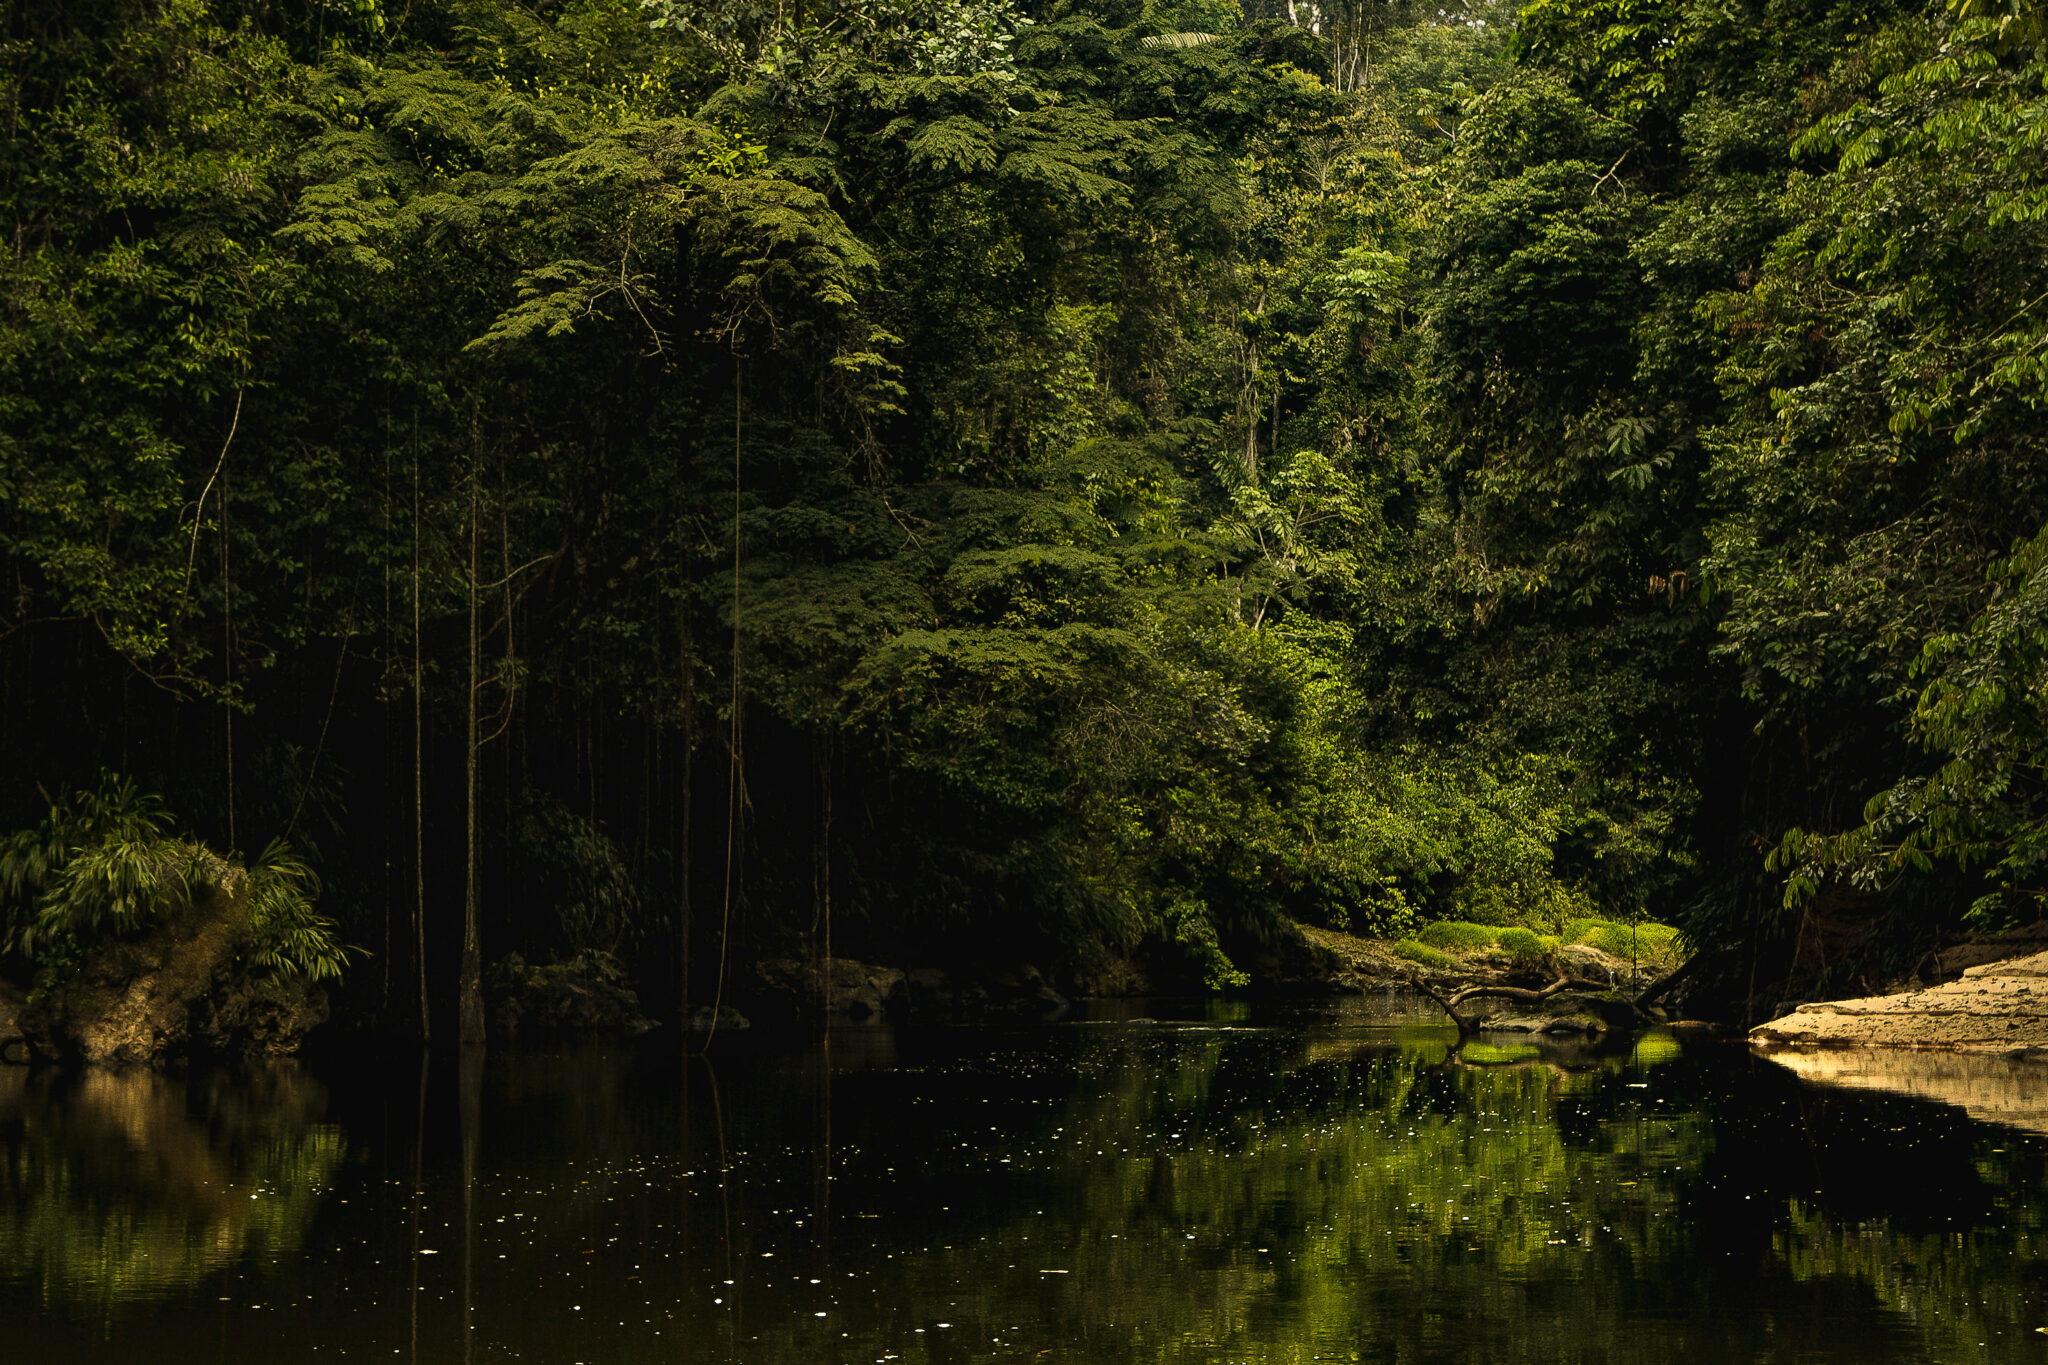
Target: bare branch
[[199, 508]]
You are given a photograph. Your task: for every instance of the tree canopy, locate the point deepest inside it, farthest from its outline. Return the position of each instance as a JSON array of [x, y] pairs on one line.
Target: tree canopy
[[1069, 479]]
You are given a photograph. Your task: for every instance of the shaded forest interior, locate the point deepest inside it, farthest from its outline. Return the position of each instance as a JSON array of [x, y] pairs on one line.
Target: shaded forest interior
[[1066, 481]]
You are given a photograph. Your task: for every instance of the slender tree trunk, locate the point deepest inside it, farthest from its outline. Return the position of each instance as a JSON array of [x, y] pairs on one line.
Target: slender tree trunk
[[470, 1082], [419, 1195], [227, 651], [513, 786], [689, 779], [1251, 426], [734, 790], [419, 759], [470, 1000], [824, 891], [384, 707]]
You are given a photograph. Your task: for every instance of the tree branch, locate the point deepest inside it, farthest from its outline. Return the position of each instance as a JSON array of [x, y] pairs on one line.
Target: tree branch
[[1450, 1004]]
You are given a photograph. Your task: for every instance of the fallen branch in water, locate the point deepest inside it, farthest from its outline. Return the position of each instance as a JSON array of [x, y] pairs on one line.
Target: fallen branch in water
[[1665, 983], [1518, 993]]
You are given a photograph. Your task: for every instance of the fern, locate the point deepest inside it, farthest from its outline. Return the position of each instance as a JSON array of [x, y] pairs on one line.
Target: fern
[[287, 936], [580, 865], [104, 863], [101, 862], [953, 144]]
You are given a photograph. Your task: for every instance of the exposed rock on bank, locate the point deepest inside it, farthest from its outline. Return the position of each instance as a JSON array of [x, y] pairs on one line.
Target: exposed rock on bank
[[1348, 964], [180, 989], [588, 993], [13, 1047], [1980, 950], [1998, 1007], [838, 987], [785, 990], [723, 1019], [1566, 1024]]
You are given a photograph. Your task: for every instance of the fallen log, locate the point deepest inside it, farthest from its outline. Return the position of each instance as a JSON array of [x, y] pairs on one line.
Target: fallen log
[[1449, 1004], [1663, 984]]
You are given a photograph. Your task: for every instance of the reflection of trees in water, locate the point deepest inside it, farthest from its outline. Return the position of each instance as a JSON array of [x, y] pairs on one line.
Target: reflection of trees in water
[[1392, 1187], [1213, 1194], [126, 1186], [1955, 1287]]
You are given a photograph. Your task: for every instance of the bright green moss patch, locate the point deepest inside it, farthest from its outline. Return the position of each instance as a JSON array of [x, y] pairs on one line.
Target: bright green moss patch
[[1456, 935], [1521, 944], [1647, 941], [1421, 952], [1485, 1054]]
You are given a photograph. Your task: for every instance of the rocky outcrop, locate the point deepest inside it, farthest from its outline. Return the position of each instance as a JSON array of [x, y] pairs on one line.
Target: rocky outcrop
[[1020, 994], [1980, 950], [1998, 1007], [180, 989], [13, 1047], [838, 988], [587, 993], [842, 990], [1351, 965], [723, 1019], [1576, 1024]]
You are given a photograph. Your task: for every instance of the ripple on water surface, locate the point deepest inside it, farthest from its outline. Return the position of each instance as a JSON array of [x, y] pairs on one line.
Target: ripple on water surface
[[1342, 1184]]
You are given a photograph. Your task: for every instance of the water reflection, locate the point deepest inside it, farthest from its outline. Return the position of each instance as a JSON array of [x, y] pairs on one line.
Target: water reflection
[[1201, 1189], [118, 1188], [2006, 1090]]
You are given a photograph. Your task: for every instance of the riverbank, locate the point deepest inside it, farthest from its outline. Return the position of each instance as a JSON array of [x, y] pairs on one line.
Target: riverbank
[[1305, 962], [593, 994], [1461, 956], [1996, 1007]]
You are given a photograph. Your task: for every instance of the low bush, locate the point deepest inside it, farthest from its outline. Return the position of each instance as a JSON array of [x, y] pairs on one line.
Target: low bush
[[106, 863]]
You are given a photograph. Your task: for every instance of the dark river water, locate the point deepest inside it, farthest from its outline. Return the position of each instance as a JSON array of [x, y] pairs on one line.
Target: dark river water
[[1231, 1186]]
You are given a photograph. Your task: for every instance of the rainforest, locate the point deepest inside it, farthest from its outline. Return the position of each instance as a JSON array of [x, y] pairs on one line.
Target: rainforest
[[1105, 484]]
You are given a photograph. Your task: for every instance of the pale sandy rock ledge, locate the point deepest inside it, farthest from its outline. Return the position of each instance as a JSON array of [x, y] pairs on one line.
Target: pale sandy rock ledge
[[1998, 1008]]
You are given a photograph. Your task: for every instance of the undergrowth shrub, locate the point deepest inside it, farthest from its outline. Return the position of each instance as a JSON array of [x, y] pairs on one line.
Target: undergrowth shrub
[[105, 863]]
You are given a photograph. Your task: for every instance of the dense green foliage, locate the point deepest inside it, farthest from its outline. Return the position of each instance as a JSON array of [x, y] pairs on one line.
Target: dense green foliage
[[105, 863], [1051, 477]]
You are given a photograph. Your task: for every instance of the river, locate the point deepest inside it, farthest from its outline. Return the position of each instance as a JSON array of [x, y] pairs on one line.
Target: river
[[1217, 1183]]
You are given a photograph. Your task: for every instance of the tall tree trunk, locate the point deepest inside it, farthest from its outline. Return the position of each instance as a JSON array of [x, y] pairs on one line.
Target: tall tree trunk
[[470, 999], [227, 650], [419, 1194], [419, 759], [734, 791], [821, 860], [384, 710], [689, 778], [470, 1084]]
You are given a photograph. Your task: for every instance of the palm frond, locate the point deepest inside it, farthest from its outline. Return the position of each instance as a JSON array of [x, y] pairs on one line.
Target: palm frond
[[287, 936]]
